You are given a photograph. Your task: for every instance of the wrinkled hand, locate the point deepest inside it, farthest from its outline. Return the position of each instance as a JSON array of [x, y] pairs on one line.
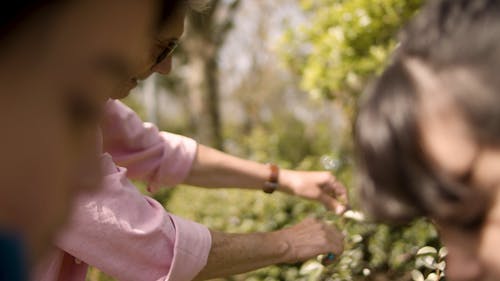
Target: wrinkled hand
[[310, 238], [320, 186]]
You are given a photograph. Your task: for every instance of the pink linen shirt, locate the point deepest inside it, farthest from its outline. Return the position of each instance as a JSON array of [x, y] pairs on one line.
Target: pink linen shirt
[[125, 234]]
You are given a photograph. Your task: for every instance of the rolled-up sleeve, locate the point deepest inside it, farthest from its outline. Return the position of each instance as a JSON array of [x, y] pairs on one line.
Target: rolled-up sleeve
[[187, 251], [159, 158], [131, 237]]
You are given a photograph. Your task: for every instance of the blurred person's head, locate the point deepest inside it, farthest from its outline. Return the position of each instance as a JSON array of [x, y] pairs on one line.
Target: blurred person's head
[[158, 58], [428, 133], [57, 61]]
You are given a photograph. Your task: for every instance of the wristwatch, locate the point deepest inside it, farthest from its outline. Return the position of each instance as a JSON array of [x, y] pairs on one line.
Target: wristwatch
[[273, 182]]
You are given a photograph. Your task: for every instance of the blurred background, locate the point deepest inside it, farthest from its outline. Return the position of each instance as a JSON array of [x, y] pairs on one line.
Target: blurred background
[[278, 81]]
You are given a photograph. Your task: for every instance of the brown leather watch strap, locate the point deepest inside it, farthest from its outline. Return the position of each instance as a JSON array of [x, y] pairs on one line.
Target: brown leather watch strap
[[273, 182]]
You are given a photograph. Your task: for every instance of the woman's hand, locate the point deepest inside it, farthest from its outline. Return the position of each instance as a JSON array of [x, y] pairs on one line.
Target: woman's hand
[[321, 186]]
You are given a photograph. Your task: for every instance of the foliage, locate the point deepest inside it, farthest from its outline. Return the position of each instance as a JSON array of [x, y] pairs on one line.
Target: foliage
[[344, 43], [430, 259], [373, 252]]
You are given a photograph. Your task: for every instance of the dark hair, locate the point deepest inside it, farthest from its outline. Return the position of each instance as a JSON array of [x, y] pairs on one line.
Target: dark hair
[[397, 182], [452, 34], [18, 11], [166, 9], [169, 7]]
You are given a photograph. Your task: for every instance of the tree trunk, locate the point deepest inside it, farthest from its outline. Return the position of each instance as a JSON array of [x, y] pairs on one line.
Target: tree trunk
[[204, 100], [202, 85]]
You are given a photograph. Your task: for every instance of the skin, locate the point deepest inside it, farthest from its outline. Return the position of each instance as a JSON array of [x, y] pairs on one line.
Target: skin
[[172, 30], [49, 114], [215, 169], [237, 253], [450, 146]]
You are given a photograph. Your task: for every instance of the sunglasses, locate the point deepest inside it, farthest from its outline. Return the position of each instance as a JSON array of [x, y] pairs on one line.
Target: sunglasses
[[167, 51]]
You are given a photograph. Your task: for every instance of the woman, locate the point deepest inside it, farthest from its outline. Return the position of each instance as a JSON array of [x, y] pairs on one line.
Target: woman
[[428, 133]]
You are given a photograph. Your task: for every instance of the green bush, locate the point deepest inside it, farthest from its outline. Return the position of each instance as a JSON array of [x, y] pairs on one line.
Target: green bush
[[343, 45], [372, 252]]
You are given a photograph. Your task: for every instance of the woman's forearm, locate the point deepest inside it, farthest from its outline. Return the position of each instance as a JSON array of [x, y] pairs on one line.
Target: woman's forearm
[[213, 168]]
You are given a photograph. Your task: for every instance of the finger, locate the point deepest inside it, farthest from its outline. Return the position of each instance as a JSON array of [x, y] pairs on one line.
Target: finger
[[328, 189], [340, 194], [337, 190], [332, 204], [334, 198], [341, 191], [340, 209]]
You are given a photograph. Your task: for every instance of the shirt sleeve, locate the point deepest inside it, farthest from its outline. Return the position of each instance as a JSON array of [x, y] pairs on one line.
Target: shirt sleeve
[[130, 236], [159, 158]]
